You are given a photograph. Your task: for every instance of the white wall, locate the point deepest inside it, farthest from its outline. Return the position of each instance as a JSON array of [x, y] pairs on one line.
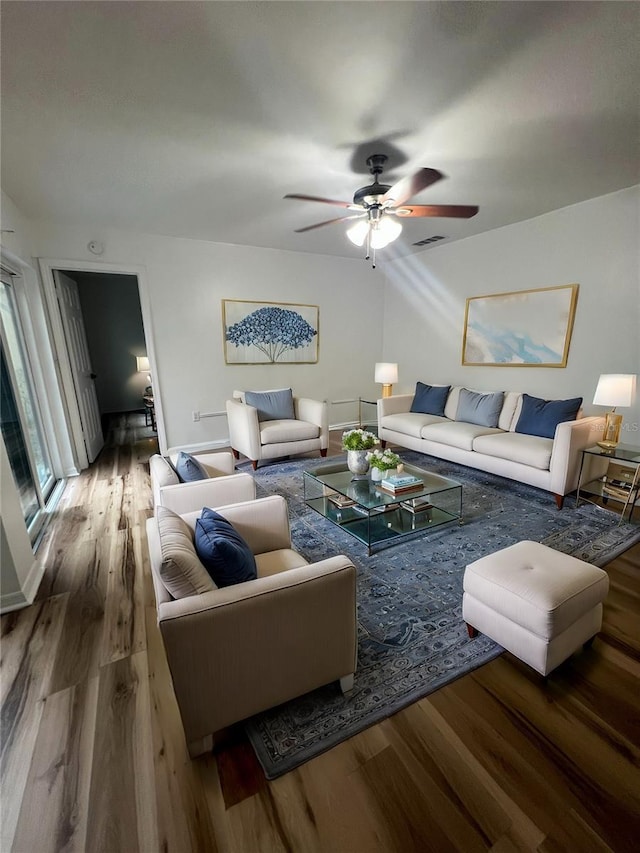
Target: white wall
[[184, 282], [593, 244]]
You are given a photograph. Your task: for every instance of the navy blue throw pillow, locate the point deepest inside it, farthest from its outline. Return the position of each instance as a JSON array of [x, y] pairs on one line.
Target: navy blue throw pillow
[[430, 399], [189, 469], [222, 550], [541, 417]]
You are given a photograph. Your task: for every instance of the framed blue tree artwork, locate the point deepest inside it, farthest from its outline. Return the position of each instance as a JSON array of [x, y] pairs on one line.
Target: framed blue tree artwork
[[269, 332]]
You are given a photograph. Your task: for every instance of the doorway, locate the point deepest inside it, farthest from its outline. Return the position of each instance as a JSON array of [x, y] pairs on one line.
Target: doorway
[[99, 329]]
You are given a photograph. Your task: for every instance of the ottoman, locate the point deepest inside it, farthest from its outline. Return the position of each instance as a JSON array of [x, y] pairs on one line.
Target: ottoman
[[539, 604]]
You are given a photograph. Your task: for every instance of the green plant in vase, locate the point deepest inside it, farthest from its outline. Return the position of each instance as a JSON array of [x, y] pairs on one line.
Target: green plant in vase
[[357, 443], [382, 461]]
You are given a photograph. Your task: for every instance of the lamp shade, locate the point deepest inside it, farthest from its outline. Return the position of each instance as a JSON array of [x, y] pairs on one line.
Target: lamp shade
[[358, 232], [142, 363], [386, 373], [615, 389]]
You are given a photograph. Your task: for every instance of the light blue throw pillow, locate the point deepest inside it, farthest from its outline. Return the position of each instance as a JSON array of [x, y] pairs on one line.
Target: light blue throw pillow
[[272, 405], [189, 469], [541, 417], [480, 409]]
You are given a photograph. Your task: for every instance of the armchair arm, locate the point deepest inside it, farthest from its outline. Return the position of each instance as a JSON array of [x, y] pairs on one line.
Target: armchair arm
[[219, 491], [244, 428], [239, 650], [394, 405], [315, 412], [571, 437]]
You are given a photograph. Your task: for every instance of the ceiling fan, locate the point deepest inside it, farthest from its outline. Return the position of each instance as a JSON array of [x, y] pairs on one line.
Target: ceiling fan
[[380, 206]]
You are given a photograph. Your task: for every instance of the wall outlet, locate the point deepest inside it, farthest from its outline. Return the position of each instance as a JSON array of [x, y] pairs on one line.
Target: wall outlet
[[195, 416]]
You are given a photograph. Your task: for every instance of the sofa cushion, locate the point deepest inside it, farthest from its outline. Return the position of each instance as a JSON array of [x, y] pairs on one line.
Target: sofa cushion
[[410, 423], [189, 469], [277, 432], [517, 447], [481, 409], [430, 399], [222, 550], [272, 405], [456, 433], [541, 417], [274, 562], [181, 571]]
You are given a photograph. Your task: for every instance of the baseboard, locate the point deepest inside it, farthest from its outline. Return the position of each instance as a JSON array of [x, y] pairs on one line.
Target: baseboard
[[223, 443], [24, 597]]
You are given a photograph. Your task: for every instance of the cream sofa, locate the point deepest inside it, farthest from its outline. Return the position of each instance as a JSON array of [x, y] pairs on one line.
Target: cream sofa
[[550, 464], [236, 651]]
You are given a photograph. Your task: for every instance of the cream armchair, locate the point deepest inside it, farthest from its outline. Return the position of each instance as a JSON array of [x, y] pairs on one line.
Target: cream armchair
[[224, 486], [236, 651], [276, 438]]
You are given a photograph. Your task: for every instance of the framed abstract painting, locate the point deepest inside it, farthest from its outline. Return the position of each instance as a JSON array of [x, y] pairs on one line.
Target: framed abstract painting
[[524, 328], [269, 332]]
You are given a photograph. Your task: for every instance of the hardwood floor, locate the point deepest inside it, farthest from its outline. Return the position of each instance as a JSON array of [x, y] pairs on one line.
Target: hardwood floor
[[93, 756]]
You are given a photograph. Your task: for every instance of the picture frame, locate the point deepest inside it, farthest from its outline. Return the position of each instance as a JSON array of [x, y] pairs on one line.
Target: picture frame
[[521, 328], [269, 332]]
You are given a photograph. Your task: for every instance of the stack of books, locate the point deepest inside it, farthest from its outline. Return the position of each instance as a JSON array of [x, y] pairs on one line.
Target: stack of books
[[397, 483], [341, 501], [617, 489], [416, 505]]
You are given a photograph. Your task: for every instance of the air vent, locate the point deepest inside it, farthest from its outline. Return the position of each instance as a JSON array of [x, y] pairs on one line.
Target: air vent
[[428, 240]]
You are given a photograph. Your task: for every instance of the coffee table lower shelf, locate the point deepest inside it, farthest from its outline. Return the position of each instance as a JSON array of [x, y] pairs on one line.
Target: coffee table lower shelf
[[372, 528]]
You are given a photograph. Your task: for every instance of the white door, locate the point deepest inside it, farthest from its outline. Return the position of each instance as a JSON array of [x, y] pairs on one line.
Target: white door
[[83, 376]]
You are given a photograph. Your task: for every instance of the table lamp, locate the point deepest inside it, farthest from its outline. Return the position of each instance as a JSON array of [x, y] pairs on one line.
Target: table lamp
[[614, 389], [386, 373]]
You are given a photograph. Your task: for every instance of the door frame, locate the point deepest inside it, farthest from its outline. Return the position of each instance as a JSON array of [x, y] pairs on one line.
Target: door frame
[[47, 266]]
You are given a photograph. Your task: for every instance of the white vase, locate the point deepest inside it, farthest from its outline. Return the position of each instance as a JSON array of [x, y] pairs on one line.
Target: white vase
[[357, 462], [377, 474]]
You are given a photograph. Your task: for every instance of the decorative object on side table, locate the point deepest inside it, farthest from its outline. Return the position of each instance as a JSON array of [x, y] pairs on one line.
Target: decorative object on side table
[[614, 389], [357, 443], [382, 461]]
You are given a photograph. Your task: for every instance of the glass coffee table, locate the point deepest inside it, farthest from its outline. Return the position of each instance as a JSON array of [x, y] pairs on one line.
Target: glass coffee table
[[375, 516]]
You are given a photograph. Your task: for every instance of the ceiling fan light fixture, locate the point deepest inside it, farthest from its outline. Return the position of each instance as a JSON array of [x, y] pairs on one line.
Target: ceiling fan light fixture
[[357, 233], [387, 230]]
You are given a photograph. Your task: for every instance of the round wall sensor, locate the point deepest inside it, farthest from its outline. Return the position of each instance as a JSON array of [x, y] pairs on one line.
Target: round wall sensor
[[96, 247]]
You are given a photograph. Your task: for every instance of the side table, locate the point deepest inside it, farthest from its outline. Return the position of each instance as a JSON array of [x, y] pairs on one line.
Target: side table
[[618, 480], [362, 422], [149, 411]]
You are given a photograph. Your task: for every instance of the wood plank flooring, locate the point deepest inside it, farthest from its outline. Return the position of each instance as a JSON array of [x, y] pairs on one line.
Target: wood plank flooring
[[93, 755]]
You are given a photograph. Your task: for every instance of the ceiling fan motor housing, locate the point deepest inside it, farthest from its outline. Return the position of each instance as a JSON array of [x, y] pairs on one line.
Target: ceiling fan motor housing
[[370, 195]]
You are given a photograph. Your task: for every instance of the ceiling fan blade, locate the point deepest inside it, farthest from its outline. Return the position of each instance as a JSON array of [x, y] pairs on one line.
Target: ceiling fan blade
[[411, 185], [460, 211], [347, 204], [329, 222]]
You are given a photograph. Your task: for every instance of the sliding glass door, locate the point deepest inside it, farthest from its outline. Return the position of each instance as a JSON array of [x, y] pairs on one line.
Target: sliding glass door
[[20, 416]]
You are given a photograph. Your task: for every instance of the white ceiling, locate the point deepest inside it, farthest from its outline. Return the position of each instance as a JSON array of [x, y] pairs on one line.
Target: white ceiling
[[194, 119]]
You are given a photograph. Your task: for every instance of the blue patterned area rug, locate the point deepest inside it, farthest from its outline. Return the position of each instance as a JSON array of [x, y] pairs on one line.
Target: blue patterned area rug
[[411, 637]]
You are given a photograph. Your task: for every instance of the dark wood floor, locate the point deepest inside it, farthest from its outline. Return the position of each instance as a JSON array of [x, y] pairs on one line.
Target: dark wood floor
[[93, 756]]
